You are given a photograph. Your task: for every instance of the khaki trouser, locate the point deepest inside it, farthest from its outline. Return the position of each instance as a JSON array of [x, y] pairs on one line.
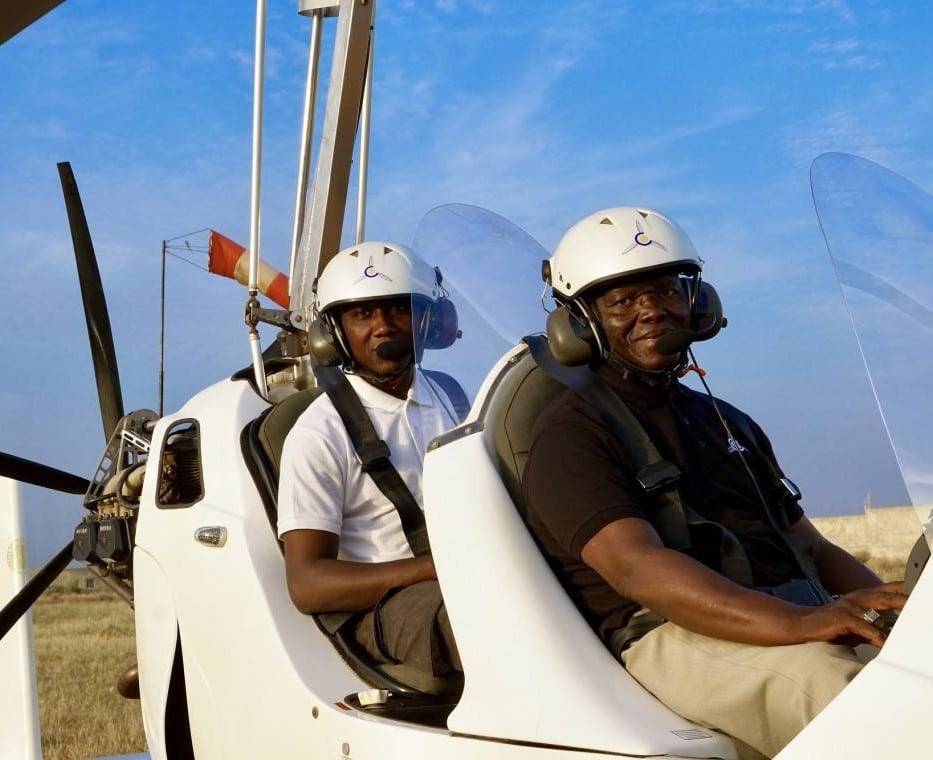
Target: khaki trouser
[[761, 696]]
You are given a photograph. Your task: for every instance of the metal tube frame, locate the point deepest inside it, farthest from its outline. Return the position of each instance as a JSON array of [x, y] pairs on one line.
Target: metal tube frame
[[307, 138], [259, 54], [365, 121], [328, 198]]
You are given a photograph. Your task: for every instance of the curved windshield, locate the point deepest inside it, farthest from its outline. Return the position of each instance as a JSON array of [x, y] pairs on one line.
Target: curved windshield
[[485, 294], [878, 227], [492, 261]]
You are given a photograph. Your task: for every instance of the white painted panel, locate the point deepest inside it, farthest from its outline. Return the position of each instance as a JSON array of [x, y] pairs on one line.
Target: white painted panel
[[534, 669], [885, 711]]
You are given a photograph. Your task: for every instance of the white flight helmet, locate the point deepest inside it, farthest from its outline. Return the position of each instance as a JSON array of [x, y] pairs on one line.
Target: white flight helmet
[[609, 245], [371, 271], [617, 242], [374, 270]]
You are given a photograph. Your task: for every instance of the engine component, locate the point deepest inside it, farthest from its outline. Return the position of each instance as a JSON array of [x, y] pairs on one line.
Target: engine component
[[127, 449], [113, 539], [181, 482], [85, 542]]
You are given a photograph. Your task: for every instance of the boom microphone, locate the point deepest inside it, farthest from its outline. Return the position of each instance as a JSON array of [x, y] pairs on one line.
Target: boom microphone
[[393, 350], [675, 341]]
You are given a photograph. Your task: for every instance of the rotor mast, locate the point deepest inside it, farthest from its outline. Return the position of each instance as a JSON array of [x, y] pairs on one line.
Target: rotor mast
[[318, 223]]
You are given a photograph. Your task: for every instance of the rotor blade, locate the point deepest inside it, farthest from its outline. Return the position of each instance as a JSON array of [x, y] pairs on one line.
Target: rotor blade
[[16, 15], [42, 475], [95, 306], [19, 604]]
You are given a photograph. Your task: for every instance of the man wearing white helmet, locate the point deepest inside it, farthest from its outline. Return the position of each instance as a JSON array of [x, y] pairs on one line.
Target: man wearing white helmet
[[665, 512], [346, 550]]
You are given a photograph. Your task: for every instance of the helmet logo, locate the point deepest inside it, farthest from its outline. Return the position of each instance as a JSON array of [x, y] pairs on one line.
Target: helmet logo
[[371, 273], [641, 238]]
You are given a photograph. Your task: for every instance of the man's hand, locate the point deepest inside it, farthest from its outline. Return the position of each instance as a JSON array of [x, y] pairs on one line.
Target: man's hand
[[843, 621]]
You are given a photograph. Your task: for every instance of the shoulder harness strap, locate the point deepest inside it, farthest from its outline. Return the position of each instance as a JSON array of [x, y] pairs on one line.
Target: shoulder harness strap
[[657, 476], [374, 456]]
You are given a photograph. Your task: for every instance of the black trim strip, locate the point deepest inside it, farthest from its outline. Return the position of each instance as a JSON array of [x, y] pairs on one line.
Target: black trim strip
[[479, 424]]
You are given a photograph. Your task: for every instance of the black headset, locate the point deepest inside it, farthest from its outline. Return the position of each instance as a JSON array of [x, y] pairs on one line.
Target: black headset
[[576, 337], [438, 329]]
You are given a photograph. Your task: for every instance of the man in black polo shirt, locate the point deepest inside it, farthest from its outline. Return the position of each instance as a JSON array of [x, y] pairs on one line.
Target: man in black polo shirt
[[725, 613]]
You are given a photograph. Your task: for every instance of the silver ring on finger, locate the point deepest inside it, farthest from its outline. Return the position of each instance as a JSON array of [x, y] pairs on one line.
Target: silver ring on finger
[[871, 615]]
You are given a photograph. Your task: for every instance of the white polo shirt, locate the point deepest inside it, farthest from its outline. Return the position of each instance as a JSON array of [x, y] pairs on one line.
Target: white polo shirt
[[323, 487]]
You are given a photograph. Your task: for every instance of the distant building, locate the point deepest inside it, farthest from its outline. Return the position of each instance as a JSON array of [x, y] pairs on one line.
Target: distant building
[[79, 579], [879, 531]]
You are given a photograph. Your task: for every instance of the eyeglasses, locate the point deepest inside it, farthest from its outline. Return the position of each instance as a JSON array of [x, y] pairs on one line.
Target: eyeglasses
[[671, 295]]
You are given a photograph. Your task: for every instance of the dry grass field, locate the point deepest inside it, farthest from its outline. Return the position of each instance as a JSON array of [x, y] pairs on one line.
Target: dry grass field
[[84, 640]]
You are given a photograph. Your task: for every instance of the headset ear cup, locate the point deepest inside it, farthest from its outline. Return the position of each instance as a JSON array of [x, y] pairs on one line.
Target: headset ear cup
[[322, 345], [707, 318], [572, 342], [443, 326]]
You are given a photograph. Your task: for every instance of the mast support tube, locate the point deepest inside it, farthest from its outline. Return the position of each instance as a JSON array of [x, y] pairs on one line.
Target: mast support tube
[[365, 120], [259, 370], [328, 199], [256, 176], [307, 137]]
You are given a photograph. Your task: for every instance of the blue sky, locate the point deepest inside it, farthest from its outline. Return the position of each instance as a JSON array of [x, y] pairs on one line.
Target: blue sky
[[710, 110]]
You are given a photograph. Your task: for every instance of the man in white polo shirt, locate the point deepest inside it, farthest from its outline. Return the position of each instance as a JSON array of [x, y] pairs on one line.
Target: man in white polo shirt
[[345, 546]]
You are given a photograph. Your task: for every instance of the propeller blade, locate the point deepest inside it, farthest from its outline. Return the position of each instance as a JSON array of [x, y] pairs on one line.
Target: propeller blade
[[42, 475], [19, 604], [16, 15], [95, 306]]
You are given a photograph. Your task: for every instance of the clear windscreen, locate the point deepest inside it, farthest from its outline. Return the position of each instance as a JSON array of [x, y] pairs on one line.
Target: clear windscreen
[[878, 227], [490, 287]]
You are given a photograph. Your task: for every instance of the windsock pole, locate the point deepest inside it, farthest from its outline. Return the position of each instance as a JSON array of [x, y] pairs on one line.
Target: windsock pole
[[162, 336]]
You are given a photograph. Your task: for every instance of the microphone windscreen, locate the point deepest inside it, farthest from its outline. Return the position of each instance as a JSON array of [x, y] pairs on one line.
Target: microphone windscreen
[[675, 341], [393, 350]]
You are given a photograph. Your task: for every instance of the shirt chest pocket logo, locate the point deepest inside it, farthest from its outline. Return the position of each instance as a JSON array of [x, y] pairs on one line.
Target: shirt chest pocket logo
[[735, 447]]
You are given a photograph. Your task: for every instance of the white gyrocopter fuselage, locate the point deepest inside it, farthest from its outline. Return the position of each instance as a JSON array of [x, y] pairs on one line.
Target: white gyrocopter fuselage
[[228, 668]]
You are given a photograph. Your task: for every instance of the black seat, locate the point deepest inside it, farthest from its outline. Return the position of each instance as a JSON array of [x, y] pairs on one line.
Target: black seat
[[516, 403], [262, 441]]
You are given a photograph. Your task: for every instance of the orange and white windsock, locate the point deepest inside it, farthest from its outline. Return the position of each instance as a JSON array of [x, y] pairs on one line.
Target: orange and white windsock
[[230, 259]]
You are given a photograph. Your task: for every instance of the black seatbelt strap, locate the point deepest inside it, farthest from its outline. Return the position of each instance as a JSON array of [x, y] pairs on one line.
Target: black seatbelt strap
[[374, 454], [454, 391], [658, 477]]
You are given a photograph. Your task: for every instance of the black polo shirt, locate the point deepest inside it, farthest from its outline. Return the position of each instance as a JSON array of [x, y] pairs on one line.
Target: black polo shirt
[[578, 480]]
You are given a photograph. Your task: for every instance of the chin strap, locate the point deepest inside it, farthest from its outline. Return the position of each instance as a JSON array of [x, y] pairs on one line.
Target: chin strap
[[379, 380]]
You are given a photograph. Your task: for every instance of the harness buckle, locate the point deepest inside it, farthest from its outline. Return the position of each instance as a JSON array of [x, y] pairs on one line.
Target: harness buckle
[[373, 455], [791, 488], [657, 475]]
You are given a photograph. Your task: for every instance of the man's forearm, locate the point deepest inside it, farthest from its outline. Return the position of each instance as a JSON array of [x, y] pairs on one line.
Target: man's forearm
[[687, 593], [334, 585], [840, 572]]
